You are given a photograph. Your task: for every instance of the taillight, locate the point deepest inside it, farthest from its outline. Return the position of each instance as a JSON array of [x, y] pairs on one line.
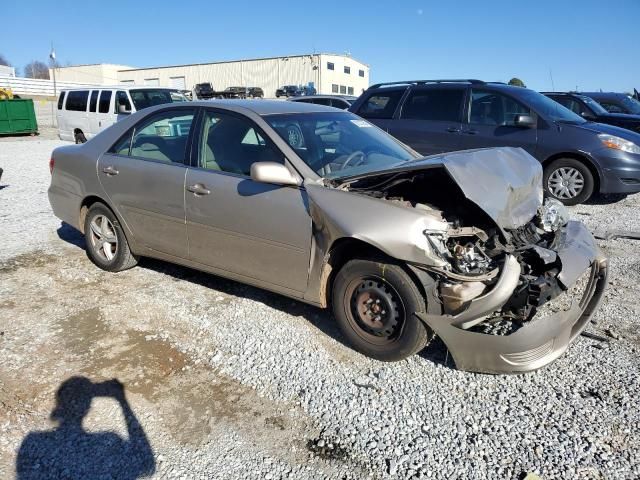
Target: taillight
[[51, 163]]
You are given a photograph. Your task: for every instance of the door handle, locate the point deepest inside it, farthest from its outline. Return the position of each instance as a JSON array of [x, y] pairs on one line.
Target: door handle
[[198, 189], [453, 130], [110, 170]]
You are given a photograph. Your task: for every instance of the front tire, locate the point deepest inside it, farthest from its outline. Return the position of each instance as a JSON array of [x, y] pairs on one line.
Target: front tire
[[107, 245], [80, 138], [374, 304], [568, 180]]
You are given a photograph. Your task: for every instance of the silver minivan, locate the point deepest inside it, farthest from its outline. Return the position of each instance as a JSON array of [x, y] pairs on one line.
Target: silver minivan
[[83, 112]]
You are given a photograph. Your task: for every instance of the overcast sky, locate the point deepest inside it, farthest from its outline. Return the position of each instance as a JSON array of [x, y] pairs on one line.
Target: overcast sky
[[581, 44]]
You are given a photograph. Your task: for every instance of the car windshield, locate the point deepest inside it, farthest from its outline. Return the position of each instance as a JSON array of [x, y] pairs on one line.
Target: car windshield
[[595, 106], [339, 144], [631, 104], [548, 108], [149, 97]]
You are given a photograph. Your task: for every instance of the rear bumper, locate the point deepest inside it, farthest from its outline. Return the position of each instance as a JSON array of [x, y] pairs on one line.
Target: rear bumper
[[540, 341]]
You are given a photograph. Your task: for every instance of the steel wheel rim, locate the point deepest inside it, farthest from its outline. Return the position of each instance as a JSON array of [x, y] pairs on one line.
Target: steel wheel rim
[[104, 240], [566, 182], [366, 299]]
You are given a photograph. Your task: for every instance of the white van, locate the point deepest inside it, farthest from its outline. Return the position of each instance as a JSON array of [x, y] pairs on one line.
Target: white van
[[83, 112]]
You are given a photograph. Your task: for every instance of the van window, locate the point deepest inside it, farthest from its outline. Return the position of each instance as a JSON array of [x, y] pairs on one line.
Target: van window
[[435, 104], [77, 101], [61, 100], [105, 101], [122, 99], [381, 105], [93, 101], [492, 108]]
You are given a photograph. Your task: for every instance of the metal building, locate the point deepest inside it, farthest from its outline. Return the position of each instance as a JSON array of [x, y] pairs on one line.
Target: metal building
[[328, 73]]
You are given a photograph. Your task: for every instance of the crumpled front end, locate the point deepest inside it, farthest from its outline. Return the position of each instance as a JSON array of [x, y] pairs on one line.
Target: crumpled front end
[[500, 331]]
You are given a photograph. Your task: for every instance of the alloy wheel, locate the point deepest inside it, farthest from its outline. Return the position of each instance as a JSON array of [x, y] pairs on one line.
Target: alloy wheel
[[104, 240]]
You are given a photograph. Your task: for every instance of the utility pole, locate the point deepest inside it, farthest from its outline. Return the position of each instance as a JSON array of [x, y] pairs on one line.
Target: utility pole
[[52, 57]]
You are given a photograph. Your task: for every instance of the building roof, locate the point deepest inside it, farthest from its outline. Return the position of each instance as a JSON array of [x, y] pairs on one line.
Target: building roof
[[244, 60]]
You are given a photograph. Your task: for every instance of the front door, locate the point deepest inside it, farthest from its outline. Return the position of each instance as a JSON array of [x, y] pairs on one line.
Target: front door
[[431, 119], [260, 232], [106, 111], [143, 176], [491, 123]]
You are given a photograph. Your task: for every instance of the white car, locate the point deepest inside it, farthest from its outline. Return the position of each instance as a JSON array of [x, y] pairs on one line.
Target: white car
[[84, 112]]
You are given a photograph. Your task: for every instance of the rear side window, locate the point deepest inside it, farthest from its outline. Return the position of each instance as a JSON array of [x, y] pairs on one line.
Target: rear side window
[[442, 105], [105, 101], [612, 107], [380, 105], [94, 100], [77, 101], [61, 100]]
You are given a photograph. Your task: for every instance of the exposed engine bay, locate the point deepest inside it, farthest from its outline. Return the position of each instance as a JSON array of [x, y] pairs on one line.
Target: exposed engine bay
[[474, 246]]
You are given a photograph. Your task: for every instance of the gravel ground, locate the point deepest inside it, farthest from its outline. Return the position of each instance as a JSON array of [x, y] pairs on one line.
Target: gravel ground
[[226, 381]]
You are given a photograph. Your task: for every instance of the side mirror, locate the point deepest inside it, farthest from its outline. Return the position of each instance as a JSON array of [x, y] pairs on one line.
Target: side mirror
[[587, 115], [272, 172], [122, 109], [524, 121]]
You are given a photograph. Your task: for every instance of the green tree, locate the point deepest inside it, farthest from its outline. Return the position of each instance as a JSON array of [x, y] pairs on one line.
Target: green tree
[[516, 82]]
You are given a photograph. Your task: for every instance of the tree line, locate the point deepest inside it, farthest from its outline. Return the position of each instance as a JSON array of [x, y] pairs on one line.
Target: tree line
[[33, 69]]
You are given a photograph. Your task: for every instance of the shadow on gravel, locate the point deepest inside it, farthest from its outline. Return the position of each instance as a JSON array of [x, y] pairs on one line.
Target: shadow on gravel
[[70, 235], [605, 199], [71, 452]]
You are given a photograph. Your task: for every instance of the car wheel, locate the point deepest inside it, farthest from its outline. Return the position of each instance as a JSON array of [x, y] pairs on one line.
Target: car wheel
[[568, 180], [374, 304], [107, 246], [80, 138]]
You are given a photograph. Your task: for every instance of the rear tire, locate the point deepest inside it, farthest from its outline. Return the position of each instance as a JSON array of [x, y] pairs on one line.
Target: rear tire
[[374, 304], [568, 180], [107, 245], [80, 138]]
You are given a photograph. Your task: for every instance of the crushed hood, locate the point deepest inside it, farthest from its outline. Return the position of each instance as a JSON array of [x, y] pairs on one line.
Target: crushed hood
[[505, 182]]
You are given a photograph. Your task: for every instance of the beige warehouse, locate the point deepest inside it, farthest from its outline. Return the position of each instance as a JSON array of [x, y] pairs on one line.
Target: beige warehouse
[[329, 74]]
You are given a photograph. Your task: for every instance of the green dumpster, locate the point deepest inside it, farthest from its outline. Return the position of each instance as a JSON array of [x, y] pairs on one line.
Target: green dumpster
[[17, 116]]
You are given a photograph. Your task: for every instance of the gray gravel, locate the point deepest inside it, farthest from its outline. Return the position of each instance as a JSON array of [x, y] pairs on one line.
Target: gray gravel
[[229, 381]]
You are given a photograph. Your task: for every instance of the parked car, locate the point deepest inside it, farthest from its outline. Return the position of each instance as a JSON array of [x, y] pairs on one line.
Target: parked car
[[288, 91], [84, 112], [435, 116], [320, 205], [342, 102], [592, 111], [255, 92], [616, 102], [236, 92], [203, 91]]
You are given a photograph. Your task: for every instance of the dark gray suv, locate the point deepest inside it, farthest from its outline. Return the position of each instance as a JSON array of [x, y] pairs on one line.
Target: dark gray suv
[[436, 116]]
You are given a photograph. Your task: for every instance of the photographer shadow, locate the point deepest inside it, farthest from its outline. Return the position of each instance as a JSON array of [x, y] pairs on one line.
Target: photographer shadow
[[71, 452]]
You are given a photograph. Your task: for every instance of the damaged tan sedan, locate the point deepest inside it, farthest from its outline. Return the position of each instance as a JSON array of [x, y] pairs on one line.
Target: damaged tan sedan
[[320, 205]]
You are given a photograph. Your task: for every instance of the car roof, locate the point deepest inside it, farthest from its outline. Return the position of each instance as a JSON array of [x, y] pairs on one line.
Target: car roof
[[337, 97], [403, 85], [263, 107]]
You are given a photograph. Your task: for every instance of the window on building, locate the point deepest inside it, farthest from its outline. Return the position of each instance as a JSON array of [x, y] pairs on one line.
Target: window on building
[[347, 69], [77, 100], [361, 73], [334, 88], [93, 101], [343, 90], [105, 101], [330, 66], [350, 90]]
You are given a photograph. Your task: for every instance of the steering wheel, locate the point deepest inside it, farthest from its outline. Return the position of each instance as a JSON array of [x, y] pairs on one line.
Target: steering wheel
[[353, 155]]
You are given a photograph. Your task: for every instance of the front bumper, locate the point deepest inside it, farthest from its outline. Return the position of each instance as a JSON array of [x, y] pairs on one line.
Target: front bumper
[[620, 171], [540, 341]]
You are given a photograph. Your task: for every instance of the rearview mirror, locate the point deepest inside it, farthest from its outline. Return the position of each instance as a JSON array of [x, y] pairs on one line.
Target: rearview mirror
[[272, 172], [123, 109], [524, 121]]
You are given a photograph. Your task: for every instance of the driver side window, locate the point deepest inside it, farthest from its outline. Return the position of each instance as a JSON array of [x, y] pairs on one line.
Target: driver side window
[[232, 144], [494, 109]]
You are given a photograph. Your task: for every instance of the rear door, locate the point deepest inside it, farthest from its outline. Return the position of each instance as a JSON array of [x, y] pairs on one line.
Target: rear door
[[143, 175], [257, 231], [431, 119], [490, 122]]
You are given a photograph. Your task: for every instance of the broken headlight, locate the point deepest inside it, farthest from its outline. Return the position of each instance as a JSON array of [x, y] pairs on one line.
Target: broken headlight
[[552, 215]]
